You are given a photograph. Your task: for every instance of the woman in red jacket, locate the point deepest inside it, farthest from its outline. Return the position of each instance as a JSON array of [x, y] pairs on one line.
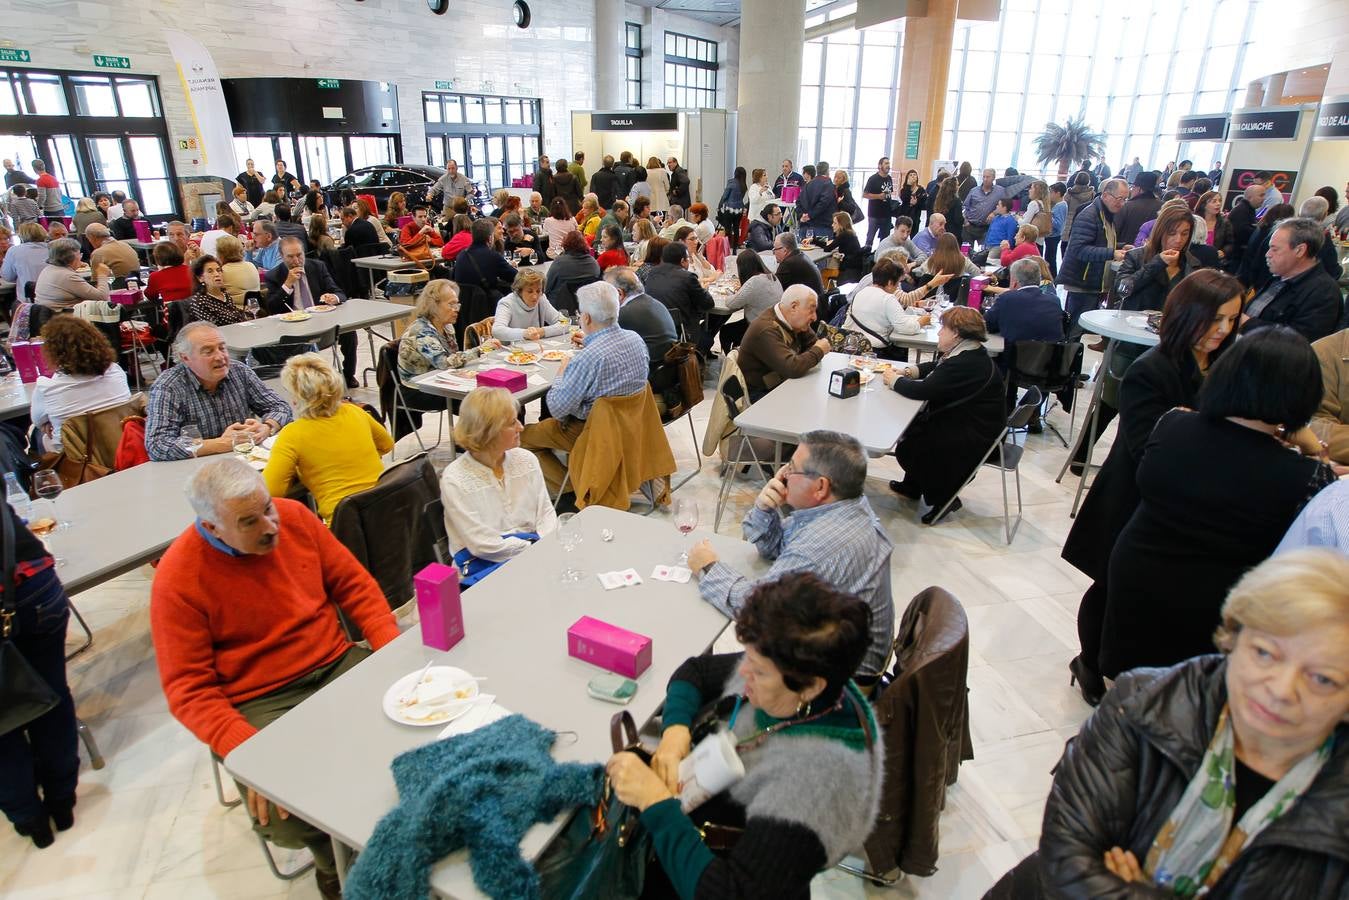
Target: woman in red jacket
[[172, 280]]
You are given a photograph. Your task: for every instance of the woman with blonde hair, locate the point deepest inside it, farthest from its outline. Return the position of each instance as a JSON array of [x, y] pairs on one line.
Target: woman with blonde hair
[[86, 213], [496, 501], [1225, 776], [525, 313], [642, 231], [588, 219], [397, 209], [1037, 212], [332, 447], [319, 238], [429, 342], [241, 277], [946, 258]]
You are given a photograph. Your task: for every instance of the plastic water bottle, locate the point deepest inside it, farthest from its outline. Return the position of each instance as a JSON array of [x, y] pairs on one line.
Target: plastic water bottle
[[17, 497]]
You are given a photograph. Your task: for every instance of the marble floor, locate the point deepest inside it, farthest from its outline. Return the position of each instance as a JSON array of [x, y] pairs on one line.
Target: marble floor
[[149, 826]]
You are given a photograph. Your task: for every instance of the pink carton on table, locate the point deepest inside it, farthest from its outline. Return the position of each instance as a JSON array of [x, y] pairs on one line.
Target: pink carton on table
[[438, 606], [790, 193], [403, 220], [609, 647], [509, 379], [27, 359], [975, 297], [142, 230], [124, 297]]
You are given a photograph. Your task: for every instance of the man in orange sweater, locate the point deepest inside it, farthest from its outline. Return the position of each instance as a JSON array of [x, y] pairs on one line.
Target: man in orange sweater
[[244, 634]]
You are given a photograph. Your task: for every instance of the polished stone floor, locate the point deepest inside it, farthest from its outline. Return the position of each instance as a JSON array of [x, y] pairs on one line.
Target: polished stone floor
[[148, 824]]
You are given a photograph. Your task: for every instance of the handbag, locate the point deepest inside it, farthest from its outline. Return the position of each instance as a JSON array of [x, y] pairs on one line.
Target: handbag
[[24, 695], [71, 471], [473, 569], [683, 359], [603, 852]]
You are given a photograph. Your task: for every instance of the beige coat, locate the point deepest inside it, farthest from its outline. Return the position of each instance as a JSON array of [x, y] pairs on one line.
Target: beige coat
[[1331, 422], [659, 180]]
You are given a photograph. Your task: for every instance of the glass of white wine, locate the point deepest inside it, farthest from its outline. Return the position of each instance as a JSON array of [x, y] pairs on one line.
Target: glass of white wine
[[243, 443], [569, 536]]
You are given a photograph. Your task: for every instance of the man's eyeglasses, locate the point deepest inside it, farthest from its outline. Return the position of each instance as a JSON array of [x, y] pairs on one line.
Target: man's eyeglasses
[[1120, 197], [809, 473]]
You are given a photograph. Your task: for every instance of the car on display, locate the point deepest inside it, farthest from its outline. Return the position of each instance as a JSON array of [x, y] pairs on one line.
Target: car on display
[[383, 182]]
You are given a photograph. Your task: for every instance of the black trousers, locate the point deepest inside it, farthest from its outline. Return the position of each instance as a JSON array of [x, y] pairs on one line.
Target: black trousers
[[1052, 255]]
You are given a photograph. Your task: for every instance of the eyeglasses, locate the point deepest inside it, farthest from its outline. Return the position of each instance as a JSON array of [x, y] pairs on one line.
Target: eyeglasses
[[809, 473], [1119, 197]]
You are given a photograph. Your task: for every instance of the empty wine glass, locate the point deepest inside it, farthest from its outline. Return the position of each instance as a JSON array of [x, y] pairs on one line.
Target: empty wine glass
[[47, 485], [569, 535], [251, 306], [869, 362], [685, 519], [190, 439]]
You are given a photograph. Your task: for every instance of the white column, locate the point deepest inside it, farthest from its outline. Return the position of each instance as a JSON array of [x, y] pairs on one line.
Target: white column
[[610, 62], [768, 99]]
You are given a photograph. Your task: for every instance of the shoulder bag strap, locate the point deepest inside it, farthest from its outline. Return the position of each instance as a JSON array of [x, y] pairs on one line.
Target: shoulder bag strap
[[7, 604], [993, 370]]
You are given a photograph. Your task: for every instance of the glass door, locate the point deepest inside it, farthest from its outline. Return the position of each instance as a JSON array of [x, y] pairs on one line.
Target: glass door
[[325, 157], [154, 186], [108, 162], [370, 151], [64, 164]]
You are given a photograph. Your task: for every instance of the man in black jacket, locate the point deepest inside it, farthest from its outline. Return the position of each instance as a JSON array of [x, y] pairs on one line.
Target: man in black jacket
[[604, 183], [299, 283], [1304, 296], [626, 172], [1141, 207], [763, 230], [1242, 218], [639, 312], [794, 267], [357, 232], [673, 284], [679, 184], [816, 206]]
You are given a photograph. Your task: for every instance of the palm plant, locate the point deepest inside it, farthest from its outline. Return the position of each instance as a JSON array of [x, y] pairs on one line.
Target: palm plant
[[1065, 144]]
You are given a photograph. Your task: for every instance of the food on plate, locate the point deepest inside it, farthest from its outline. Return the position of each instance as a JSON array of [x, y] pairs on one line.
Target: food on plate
[[521, 357], [294, 316], [554, 355], [858, 362], [322, 308]]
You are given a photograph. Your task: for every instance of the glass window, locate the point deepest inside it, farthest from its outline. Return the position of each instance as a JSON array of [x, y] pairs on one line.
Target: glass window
[[492, 107], [838, 107], [978, 71], [65, 165], [874, 108], [834, 145], [258, 149], [435, 150], [94, 96], [1185, 70], [634, 36], [878, 62], [370, 151], [1001, 146], [9, 105], [840, 64], [431, 106], [1218, 65], [154, 190], [810, 102], [324, 157], [48, 97], [870, 146], [137, 98], [109, 165], [812, 55], [473, 111], [974, 111], [1012, 72], [454, 109]]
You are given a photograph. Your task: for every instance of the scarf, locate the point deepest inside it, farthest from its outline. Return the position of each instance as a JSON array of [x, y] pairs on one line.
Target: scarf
[[1198, 841]]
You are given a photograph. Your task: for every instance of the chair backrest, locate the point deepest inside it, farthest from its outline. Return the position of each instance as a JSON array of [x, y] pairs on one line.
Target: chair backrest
[[622, 446], [37, 317], [1021, 416], [475, 305], [178, 312], [433, 517], [94, 436], [385, 529], [1048, 365], [478, 332], [386, 377], [268, 360], [564, 293], [318, 342]]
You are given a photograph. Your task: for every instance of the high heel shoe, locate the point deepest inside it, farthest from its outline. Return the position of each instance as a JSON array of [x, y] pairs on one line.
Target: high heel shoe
[[1091, 684]]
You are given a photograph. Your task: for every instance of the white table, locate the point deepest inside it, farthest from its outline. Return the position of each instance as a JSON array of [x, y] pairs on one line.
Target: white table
[[349, 316], [15, 397], [388, 262], [814, 254], [925, 341], [1113, 324], [328, 760]]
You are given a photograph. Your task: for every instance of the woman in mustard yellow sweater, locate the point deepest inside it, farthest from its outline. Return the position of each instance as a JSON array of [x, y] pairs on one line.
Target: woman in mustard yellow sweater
[[332, 448]]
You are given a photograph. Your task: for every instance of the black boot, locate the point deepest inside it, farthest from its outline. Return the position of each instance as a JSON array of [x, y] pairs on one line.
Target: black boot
[[904, 489], [330, 887], [62, 811], [930, 517], [1088, 681], [40, 832]]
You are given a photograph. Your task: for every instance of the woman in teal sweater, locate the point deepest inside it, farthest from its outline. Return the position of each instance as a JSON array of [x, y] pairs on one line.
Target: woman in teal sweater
[[807, 739]]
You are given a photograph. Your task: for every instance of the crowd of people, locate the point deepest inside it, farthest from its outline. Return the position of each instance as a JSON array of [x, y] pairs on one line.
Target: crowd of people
[[1205, 530]]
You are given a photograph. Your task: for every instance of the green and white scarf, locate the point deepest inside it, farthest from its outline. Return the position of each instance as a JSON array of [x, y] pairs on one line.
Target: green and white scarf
[[1198, 842]]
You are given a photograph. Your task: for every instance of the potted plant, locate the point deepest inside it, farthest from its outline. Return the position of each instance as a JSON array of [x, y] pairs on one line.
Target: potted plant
[[1067, 143]]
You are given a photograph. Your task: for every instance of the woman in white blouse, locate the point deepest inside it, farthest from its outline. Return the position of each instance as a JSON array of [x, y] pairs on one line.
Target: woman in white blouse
[[495, 498], [759, 195], [882, 313], [87, 377]]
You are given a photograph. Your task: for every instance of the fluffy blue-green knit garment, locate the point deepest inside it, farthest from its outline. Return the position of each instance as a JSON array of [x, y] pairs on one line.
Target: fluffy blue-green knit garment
[[482, 790]]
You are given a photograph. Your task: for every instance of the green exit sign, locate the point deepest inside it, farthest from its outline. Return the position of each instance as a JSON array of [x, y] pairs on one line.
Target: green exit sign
[[444, 85], [329, 83], [7, 55], [112, 62]]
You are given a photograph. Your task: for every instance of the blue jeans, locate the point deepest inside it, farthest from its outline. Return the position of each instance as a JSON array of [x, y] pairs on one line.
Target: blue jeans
[[45, 752], [1075, 306], [878, 226]]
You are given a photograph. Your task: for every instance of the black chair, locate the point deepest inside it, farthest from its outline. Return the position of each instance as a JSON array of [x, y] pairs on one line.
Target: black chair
[[475, 304], [565, 292], [268, 360], [179, 312], [38, 316], [433, 519], [401, 406], [1051, 366]]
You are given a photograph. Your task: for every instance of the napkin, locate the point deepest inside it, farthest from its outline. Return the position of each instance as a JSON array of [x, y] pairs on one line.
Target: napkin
[[619, 579], [537, 380], [485, 711], [455, 382]]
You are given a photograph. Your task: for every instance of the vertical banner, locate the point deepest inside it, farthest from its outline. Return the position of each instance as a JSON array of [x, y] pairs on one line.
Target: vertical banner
[[205, 103]]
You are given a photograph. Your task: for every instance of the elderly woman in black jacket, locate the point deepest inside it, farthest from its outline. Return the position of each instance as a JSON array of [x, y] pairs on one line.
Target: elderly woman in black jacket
[[965, 411], [1198, 325], [1229, 773]]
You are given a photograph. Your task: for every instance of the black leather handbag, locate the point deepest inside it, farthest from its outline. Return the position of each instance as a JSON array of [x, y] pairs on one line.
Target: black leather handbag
[[24, 695]]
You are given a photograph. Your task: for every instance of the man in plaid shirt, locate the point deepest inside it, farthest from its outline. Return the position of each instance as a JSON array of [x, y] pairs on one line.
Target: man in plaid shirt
[[220, 396], [831, 532]]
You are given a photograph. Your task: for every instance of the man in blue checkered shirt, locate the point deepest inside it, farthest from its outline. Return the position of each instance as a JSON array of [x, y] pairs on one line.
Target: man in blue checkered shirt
[[220, 396], [831, 532], [612, 363]]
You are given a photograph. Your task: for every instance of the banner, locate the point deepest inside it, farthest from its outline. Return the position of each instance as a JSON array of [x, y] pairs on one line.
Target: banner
[[1333, 119], [205, 103], [1264, 125], [1201, 128], [1244, 178]]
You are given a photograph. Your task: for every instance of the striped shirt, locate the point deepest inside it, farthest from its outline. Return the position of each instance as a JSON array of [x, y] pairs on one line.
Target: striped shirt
[[841, 542], [1324, 522], [178, 399], [613, 363]]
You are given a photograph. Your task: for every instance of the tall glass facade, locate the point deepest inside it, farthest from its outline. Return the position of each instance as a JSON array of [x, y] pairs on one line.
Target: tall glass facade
[[1131, 70]]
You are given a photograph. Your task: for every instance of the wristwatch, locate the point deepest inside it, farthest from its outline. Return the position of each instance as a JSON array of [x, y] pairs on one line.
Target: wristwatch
[[707, 568]]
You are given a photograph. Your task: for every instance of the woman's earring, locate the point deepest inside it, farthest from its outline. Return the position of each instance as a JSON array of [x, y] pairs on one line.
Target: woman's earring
[[803, 708]]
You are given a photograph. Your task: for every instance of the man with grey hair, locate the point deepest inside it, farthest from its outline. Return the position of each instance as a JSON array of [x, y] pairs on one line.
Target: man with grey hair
[[110, 252], [643, 314], [614, 363], [219, 396], [1317, 208], [779, 344], [243, 634], [831, 532], [794, 267], [59, 287], [266, 250], [979, 206], [1302, 295], [1024, 312]]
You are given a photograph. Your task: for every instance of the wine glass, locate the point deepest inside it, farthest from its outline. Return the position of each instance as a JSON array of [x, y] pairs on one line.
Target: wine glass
[[569, 535], [869, 364], [47, 485], [190, 439], [43, 523], [251, 306], [685, 519], [243, 443]]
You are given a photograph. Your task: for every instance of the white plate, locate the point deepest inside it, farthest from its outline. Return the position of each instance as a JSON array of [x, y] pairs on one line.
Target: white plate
[[452, 711], [1136, 321]]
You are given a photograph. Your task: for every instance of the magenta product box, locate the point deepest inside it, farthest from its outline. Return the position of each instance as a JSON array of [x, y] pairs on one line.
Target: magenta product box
[[142, 228], [975, 298], [124, 297], [509, 379], [27, 357], [438, 606], [609, 647]]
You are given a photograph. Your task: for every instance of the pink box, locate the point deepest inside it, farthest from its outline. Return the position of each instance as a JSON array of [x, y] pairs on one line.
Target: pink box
[[403, 220], [509, 379], [27, 359], [142, 230], [975, 298], [124, 297], [790, 193], [609, 647], [438, 606]]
